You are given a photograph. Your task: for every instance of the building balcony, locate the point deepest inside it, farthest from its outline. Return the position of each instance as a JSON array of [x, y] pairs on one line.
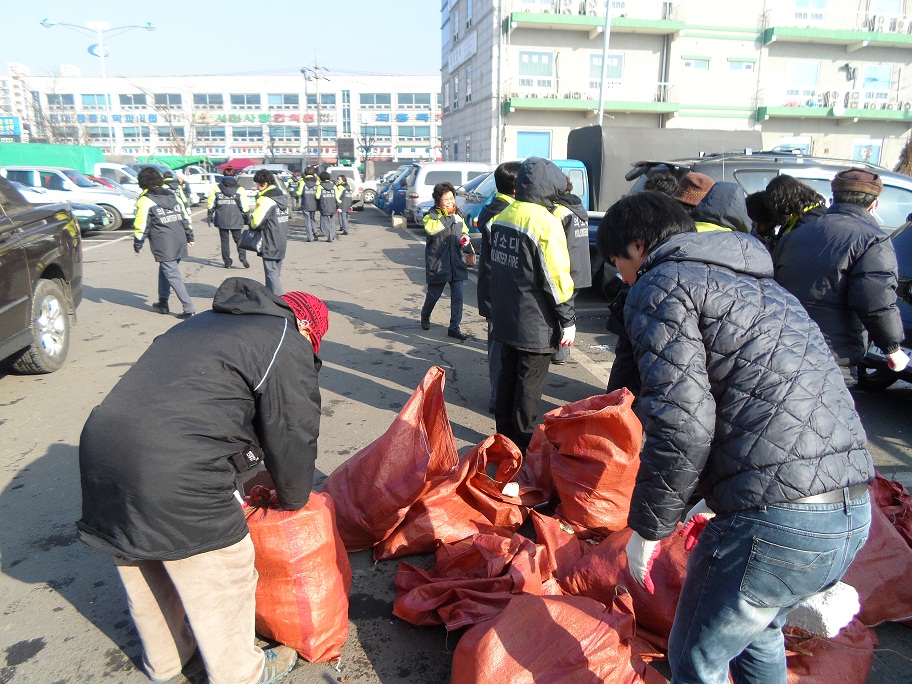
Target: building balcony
[[658, 17], [841, 105], [575, 95], [854, 30]]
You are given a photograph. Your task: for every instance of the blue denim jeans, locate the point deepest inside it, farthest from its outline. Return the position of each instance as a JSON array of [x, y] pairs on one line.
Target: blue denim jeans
[[748, 570]]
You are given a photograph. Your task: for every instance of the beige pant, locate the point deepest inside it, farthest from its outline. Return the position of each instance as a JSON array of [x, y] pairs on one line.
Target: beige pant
[[216, 593]]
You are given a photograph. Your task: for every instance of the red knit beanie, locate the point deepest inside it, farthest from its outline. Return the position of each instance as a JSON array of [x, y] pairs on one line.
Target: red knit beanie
[[310, 311]]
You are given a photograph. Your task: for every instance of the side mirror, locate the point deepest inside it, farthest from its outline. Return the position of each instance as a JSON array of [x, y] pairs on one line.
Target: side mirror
[[460, 191]]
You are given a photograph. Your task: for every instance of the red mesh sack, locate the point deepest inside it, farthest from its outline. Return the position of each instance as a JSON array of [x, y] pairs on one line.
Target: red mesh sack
[[894, 502], [881, 571], [844, 659], [471, 581], [600, 572], [464, 505], [598, 442], [374, 489], [535, 482], [553, 639], [304, 577]]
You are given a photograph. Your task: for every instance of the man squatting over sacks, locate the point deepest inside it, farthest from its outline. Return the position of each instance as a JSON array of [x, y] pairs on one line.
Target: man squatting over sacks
[[743, 403], [159, 458]]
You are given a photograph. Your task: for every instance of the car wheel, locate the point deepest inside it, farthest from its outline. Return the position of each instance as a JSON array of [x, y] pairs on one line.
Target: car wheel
[[50, 328], [116, 218], [876, 379], [369, 196]]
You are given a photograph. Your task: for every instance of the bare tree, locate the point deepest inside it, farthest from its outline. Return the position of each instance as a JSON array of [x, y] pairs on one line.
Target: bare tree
[[366, 144], [180, 120], [49, 124], [904, 165]]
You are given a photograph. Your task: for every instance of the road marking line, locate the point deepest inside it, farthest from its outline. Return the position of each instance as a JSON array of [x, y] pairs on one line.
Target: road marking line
[[106, 242]]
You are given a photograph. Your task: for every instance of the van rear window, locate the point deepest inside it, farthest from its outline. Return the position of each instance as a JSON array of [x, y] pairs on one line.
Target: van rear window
[[434, 177]]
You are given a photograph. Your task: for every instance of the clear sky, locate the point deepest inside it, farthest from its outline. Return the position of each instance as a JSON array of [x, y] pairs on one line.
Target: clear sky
[[227, 36]]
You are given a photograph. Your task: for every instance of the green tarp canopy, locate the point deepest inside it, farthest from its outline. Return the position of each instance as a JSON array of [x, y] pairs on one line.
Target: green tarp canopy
[[80, 157], [173, 161]]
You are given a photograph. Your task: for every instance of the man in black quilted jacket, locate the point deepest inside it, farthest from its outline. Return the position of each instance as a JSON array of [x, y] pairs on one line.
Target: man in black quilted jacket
[[743, 405], [842, 268]]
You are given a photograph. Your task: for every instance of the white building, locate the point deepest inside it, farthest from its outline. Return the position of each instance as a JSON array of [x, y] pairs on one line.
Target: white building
[[829, 76], [282, 117]]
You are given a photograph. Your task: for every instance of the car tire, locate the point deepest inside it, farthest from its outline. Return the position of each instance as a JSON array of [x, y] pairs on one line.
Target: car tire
[[368, 197], [50, 328], [116, 217], [875, 379]]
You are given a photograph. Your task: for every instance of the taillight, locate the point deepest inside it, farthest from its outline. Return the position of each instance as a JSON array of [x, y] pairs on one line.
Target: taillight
[[413, 195]]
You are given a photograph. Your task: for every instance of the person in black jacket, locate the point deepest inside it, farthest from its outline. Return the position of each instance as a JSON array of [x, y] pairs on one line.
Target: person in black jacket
[[307, 196], [162, 218], [229, 209], [327, 204], [792, 205], [447, 237], [575, 219], [270, 216], [344, 200], [743, 405], [505, 182], [842, 268], [159, 461]]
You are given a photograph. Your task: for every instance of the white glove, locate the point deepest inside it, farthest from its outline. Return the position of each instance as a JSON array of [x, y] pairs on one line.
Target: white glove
[[567, 336], [898, 360], [641, 553]]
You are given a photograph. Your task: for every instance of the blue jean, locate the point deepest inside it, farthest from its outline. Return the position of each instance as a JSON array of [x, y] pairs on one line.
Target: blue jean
[[433, 294], [747, 571]]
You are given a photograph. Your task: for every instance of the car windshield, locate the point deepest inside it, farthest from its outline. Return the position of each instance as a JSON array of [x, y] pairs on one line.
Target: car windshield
[[78, 179], [484, 189]]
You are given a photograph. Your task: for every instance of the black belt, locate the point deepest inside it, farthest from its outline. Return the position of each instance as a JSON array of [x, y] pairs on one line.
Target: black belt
[[836, 496]]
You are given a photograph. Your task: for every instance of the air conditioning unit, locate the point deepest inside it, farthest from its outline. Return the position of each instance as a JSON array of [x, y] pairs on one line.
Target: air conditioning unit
[[879, 22], [568, 6], [533, 95], [591, 7], [853, 99], [576, 96]]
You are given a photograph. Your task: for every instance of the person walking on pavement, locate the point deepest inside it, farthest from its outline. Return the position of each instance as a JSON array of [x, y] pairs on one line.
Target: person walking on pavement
[[229, 208], [162, 219], [531, 295], [294, 200], [575, 219], [447, 237], [159, 460], [782, 465], [842, 268], [505, 182], [179, 189], [344, 200], [271, 217], [307, 193], [327, 204]]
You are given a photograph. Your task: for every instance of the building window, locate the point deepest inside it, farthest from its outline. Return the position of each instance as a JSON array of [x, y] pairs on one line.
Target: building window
[[57, 100], [876, 82], [377, 132], [446, 97], [346, 112], [613, 74], [247, 132], [413, 100], [455, 23], [245, 100], [208, 100], [801, 143], [533, 144], [455, 91], [94, 101], [413, 132], [209, 134], [136, 133], [801, 83], [696, 63], [741, 65], [468, 13], [468, 84], [168, 100], [133, 101], [285, 132], [867, 150], [536, 69], [98, 132], [810, 11], [170, 132], [376, 100], [283, 101]]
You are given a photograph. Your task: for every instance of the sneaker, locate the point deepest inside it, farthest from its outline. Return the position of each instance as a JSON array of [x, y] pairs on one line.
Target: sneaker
[[245, 263], [161, 306], [457, 333], [425, 323], [561, 356], [185, 314], [279, 662], [227, 264]]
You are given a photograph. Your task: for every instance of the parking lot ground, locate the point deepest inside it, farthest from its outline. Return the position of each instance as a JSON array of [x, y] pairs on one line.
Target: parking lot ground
[[65, 616]]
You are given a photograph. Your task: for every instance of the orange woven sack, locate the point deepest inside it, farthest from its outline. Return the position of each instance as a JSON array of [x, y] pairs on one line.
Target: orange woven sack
[[892, 498], [598, 442], [536, 485], [464, 505], [553, 639], [304, 577], [844, 659], [374, 489]]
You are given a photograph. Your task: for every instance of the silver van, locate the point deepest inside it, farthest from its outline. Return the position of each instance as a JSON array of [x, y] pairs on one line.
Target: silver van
[[422, 178]]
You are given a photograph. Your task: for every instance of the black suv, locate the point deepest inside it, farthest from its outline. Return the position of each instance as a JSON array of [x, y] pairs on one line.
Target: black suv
[[40, 281]]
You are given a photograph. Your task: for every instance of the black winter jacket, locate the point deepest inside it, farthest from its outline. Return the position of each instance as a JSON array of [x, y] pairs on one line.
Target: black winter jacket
[[271, 216], [569, 209], [497, 204], [161, 217], [326, 198], [842, 268], [724, 206], [308, 193], [741, 399], [153, 456], [227, 212], [443, 258]]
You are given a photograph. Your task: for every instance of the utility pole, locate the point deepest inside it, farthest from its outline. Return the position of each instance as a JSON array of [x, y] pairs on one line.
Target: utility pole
[[316, 73]]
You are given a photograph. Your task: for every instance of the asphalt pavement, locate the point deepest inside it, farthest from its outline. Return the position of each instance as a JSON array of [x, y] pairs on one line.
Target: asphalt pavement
[[65, 616]]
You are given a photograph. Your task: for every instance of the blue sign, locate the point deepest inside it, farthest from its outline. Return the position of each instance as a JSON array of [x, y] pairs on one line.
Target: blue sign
[[10, 126]]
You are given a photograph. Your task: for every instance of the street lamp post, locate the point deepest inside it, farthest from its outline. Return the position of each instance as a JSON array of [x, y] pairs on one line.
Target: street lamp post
[[98, 29], [315, 74]]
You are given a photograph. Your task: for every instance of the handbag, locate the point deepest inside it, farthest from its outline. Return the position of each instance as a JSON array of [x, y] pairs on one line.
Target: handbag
[[471, 258], [251, 240]]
